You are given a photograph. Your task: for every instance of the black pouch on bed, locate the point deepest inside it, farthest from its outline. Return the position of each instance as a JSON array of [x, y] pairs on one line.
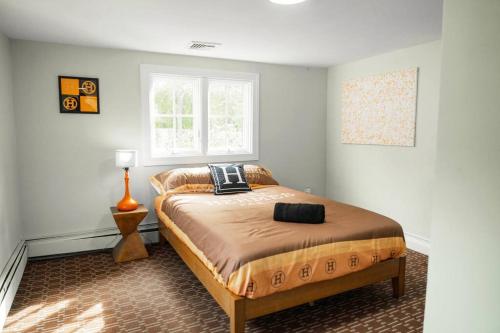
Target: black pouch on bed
[[299, 213]]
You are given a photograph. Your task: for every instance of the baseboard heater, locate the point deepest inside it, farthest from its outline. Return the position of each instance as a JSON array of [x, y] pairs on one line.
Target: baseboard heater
[[81, 242], [11, 278]]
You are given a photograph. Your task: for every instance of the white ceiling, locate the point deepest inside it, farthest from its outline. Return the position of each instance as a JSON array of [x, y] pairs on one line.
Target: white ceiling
[[313, 33]]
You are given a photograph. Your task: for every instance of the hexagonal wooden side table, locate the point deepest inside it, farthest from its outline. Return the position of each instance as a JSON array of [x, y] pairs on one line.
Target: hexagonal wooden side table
[[131, 246]]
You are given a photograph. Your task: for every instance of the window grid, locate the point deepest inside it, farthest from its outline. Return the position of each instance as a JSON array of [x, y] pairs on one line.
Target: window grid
[[227, 117], [176, 112], [242, 146]]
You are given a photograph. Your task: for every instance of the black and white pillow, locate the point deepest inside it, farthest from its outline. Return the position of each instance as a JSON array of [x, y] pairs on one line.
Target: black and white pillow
[[228, 178]]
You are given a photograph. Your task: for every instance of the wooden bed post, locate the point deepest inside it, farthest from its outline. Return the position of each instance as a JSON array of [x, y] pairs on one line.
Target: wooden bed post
[[237, 315], [398, 283], [161, 239]]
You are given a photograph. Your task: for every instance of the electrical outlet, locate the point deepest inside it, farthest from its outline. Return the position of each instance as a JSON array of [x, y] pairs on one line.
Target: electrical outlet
[[308, 190]]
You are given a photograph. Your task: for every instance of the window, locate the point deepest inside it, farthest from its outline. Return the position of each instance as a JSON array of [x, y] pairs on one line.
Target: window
[[229, 116], [174, 107], [199, 116]]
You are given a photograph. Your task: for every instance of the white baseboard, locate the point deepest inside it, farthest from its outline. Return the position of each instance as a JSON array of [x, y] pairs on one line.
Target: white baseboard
[[108, 238], [418, 243], [10, 279], [85, 241]]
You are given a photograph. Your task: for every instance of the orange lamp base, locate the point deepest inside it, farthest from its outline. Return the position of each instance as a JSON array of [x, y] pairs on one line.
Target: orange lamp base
[[127, 203]]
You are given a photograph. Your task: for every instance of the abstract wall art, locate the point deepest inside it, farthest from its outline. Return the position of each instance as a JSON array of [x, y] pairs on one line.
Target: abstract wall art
[[380, 109], [78, 95]]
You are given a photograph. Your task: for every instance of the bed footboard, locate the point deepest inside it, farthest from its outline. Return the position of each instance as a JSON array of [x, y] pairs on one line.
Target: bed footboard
[[240, 309]]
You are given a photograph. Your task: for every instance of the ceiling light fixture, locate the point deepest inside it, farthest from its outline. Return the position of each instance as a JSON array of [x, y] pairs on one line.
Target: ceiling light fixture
[[287, 2]]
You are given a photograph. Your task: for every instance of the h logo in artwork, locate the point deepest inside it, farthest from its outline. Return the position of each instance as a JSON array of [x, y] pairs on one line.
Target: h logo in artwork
[[375, 259], [235, 173]]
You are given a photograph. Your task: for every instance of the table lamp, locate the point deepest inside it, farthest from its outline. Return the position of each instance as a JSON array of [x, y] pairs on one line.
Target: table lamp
[[125, 159]]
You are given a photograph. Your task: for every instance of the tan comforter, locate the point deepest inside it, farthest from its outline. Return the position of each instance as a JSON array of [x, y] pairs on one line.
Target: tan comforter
[[252, 255]]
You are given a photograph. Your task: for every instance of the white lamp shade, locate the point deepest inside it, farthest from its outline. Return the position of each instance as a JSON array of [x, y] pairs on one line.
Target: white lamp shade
[[126, 158]]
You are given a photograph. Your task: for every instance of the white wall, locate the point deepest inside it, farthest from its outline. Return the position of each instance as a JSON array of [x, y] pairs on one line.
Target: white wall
[[393, 181], [12, 254], [67, 163], [10, 223], [464, 274]]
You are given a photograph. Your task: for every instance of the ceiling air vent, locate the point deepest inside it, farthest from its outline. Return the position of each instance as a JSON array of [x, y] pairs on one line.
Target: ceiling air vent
[[197, 45]]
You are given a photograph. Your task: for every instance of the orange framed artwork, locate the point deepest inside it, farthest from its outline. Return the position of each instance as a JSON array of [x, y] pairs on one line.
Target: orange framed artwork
[[78, 95]]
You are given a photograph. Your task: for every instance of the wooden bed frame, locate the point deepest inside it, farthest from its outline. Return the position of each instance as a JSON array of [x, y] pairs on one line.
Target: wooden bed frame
[[239, 309]]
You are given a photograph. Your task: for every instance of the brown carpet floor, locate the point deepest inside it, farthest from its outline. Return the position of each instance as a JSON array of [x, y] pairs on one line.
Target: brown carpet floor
[[90, 293]]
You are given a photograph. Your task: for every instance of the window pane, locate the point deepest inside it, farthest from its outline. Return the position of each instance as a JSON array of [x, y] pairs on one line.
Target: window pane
[[164, 122], [217, 134], [236, 100], [184, 139], [235, 137], [229, 117], [163, 97], [175, 115], [163, 141], [185, 98], [217, 99], [186, 122]]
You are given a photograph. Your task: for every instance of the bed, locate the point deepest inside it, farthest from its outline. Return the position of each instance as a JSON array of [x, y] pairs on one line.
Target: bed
[[252, 265]]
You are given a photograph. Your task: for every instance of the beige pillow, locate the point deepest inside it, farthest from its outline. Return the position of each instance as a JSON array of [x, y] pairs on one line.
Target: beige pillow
[[172, 179]]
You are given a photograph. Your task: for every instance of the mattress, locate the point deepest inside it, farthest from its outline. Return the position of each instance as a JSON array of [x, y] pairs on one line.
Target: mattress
[[252, 255]]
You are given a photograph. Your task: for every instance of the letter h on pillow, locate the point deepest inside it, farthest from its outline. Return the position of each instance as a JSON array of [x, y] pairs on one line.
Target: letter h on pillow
[[228, 178]]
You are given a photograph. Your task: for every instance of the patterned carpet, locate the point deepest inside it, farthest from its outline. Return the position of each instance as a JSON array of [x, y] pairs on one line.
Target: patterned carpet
[[90, 293]]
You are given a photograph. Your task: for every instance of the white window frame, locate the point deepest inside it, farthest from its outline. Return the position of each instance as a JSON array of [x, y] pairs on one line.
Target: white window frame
[[147, 70]]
